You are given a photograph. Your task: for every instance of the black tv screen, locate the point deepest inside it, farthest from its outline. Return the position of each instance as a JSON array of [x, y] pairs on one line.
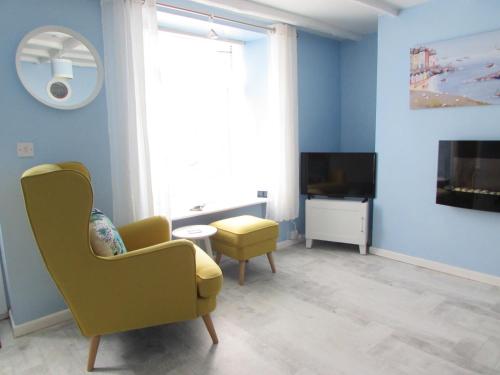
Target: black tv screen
[[338, 174]]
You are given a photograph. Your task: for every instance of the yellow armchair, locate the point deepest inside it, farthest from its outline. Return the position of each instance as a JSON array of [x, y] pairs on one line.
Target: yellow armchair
[[157, 281]]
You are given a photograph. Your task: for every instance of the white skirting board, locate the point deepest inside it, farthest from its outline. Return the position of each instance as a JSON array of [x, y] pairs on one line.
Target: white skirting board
[[65, 315], [40, 323], [437, 266]]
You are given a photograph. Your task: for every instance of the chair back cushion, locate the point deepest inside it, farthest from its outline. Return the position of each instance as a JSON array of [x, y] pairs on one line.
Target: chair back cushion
[[58, 202]]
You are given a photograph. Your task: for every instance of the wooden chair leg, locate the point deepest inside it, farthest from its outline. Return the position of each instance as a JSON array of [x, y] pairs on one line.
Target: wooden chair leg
[[271, 261], [242, 272], [210, 328], [94, 345], [218, 257]]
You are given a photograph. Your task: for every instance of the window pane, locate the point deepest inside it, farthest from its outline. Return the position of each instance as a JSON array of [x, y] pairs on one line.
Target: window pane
[[207, 127]]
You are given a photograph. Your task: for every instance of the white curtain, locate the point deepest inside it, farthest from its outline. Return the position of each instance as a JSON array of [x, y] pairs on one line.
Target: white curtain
[[132, 80], [282, 129]]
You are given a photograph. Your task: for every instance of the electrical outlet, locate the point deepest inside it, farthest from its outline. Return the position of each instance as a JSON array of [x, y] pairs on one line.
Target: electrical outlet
[[25, 150], [261, 194]]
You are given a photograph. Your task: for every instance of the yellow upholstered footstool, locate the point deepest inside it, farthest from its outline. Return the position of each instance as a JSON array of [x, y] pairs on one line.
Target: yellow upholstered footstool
[[245, 237]]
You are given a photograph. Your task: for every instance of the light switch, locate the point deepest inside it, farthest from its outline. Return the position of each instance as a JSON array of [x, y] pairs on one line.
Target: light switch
[[25, 150]]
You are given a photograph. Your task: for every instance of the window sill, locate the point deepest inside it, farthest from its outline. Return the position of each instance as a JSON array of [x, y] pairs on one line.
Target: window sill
[[218, 207]]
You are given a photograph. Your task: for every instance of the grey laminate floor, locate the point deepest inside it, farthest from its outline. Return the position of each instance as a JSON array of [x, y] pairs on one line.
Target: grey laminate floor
[[328, 310]]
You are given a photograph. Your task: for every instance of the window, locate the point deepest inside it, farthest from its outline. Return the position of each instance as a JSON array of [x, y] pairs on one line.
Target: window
[[208, 129]]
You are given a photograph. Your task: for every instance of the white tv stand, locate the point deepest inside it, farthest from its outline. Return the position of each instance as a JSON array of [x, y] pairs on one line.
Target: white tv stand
[[337, 220]]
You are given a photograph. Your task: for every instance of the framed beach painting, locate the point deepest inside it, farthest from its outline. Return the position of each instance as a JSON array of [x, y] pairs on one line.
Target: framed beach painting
[[456, 73]]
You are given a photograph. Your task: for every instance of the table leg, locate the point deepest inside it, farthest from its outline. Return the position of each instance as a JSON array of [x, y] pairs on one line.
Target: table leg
[[208, 247]]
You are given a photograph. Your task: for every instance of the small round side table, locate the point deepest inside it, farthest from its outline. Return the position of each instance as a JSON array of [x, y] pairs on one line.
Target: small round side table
[[197, 233]]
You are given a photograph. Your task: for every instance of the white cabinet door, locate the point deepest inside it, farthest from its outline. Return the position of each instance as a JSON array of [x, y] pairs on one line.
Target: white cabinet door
[[337, 220], [336, 225]]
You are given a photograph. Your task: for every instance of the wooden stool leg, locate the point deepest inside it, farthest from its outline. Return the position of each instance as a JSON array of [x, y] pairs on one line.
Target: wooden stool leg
[[94, 345], [218, 257], [271, 261], [242, 272], [210, 328]]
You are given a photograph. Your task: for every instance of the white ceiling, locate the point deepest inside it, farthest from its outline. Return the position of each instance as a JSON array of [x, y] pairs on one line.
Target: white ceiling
[[340, 19], [350, 15]]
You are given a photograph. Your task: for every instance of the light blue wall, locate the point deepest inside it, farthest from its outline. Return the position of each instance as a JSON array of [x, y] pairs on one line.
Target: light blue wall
[[406, 217], [319, 98], [358, 88], [319, 93], [58, 135]]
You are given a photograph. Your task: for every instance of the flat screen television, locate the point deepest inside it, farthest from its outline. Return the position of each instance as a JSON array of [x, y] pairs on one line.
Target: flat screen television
[[338, 174]]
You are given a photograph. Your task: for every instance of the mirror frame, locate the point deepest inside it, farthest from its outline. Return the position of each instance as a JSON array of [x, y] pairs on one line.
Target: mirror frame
[[85, 42]]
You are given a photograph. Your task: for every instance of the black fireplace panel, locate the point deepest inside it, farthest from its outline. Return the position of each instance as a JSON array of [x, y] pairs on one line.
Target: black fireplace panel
[[469, 174]]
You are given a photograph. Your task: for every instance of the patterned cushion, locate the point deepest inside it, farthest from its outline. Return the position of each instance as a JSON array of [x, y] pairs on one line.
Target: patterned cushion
[[104, 237]]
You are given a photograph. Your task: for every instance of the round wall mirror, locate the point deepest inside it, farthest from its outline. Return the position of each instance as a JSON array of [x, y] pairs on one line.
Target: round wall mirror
[[59, 67]]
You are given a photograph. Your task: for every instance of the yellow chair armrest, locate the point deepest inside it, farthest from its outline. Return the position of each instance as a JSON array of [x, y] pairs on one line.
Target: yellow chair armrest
[[145, 233], [208, 275], [156, 248]]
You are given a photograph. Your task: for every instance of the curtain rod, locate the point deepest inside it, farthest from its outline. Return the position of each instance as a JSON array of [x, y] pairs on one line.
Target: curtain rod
[[212, 16], [193, 35]]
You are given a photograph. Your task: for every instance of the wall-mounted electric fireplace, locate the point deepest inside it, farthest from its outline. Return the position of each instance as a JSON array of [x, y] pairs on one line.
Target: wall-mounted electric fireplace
[[469, 174]]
